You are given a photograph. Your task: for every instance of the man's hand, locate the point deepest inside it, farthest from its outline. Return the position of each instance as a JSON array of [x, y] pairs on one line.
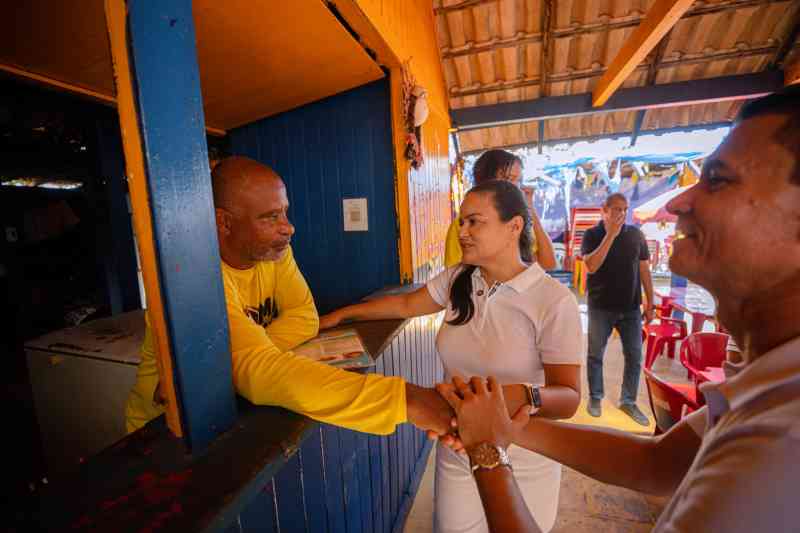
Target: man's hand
[[649, 313], [331, 320], [428, 410], [613, 224], [482, 413]]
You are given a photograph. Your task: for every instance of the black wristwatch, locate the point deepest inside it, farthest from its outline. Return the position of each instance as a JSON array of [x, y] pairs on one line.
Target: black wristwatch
[[534, 397]]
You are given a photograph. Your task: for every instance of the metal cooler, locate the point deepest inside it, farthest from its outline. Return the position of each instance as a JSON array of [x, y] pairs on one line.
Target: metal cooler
[[80, 378]]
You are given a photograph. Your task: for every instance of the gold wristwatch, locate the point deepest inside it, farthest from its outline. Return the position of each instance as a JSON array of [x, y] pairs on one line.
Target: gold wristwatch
[[487, 456]]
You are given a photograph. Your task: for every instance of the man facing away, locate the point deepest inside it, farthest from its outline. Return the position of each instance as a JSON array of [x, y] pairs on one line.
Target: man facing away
[[271, 311], [617, 259]]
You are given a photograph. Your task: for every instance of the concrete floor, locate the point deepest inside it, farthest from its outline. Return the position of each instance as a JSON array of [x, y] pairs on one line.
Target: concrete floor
[[585, 505]]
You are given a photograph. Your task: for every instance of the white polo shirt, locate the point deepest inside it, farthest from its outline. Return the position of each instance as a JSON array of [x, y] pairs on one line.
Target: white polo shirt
[[518, 326]]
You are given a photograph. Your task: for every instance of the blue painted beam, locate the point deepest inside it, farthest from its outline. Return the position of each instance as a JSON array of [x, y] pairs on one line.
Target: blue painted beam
[[637, 125], [670, 94], [170, 109]]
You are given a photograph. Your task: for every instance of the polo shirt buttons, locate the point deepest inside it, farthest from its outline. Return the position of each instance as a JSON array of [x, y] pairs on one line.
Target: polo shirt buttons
[[480, 292]]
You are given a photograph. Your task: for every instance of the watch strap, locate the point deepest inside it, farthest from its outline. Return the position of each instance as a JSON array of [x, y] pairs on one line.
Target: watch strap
[[534, 398]]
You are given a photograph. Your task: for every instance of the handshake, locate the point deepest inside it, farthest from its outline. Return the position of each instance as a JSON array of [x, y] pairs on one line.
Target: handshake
[[461, 414]]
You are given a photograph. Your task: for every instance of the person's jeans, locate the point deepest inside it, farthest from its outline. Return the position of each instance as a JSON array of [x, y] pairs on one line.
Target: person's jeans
[[629, 326]]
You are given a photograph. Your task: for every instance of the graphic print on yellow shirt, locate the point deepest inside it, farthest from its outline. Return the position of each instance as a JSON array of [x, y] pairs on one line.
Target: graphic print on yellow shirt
[[264, 313], [271, 311]]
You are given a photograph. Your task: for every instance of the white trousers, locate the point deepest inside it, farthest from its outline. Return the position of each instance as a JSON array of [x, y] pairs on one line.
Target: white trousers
[[458, 508]]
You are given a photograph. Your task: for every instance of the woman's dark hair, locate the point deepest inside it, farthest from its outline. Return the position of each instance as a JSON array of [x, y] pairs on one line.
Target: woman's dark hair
[[509, 202], [490, 162]]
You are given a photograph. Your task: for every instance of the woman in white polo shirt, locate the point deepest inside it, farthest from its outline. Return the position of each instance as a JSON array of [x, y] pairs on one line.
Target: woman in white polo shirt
[[504, 317]]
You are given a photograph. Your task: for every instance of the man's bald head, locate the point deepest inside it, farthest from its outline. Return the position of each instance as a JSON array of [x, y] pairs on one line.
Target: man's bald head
[[251, 208], [235, 176]]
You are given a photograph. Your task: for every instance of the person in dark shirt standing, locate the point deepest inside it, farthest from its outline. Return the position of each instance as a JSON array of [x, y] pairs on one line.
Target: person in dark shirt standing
[[617, 259]]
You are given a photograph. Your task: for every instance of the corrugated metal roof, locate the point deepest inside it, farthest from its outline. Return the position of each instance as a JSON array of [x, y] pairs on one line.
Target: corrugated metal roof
[[510, 50]]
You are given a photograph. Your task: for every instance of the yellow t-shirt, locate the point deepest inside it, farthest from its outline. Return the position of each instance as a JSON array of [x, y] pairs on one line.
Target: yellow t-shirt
[[270, 311], [452, 248]]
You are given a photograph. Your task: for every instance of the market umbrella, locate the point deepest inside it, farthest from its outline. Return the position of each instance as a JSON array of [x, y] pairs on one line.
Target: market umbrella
[[655, 210]]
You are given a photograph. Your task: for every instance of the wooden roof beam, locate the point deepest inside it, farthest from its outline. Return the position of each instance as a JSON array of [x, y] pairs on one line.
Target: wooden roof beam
[[659, 20], [76, 90]]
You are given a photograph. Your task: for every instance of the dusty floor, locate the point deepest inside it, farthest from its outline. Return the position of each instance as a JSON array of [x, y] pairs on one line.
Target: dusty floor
[[585, 505]]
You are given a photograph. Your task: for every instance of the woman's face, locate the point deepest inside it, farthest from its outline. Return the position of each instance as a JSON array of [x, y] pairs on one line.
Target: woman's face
[[512, 173], [482, 235]]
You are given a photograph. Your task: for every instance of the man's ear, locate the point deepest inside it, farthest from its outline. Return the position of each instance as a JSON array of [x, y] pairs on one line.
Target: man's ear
[[223, 221]]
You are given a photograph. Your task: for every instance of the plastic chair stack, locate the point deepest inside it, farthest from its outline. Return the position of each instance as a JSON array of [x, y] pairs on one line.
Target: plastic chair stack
[[669, 401], [702, 350], [666, 333], [581, 219]]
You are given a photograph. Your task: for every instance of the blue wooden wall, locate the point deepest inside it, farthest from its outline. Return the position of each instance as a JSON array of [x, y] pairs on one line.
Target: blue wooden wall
[[339, 147], [344, 481]]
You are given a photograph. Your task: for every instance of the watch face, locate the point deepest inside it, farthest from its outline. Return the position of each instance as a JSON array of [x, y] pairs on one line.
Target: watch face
[[484, 455]]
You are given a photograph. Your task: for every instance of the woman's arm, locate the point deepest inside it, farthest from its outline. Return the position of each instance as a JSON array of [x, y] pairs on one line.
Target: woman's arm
[[409, 305], [561, 394], [545, 255]]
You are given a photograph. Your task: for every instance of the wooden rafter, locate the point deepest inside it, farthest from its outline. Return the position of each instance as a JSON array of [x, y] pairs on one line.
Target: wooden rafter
[[544, 64], [464, 4], [788, 42], [472, 47], [659, 20]]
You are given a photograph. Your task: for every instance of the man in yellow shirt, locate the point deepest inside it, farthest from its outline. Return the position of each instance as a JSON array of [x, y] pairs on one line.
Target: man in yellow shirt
[[270, 311]]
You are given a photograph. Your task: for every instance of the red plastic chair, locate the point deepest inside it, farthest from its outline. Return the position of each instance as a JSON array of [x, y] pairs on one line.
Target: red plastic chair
[[665, 333], [701, 350], [669, 401], [664, 309], [699, 319]]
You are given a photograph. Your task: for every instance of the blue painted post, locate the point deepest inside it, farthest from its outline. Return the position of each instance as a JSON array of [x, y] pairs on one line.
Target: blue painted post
[[170, 109]]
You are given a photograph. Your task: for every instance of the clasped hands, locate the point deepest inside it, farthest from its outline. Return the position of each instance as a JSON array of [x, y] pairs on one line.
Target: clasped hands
[[477, 413]]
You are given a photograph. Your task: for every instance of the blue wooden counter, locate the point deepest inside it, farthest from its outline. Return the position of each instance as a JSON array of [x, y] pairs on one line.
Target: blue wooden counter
[[275, 471]]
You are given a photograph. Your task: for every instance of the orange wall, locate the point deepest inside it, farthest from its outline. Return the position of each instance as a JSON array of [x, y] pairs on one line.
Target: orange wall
[[407, 28]]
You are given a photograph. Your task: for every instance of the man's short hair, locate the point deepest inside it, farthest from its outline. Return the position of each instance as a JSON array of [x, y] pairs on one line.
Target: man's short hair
[[783, 102], [615, 196]]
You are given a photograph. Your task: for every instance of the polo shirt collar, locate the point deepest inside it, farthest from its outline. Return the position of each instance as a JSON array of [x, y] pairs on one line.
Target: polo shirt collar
[[519, 283], [775, 368], [525, 279]]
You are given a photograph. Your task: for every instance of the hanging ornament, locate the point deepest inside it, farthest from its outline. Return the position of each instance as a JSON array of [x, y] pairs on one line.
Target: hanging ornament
[[413, 116], [420, 105]]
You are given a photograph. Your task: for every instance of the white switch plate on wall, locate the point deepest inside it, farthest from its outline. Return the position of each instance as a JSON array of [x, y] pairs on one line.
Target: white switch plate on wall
[[355, 214]]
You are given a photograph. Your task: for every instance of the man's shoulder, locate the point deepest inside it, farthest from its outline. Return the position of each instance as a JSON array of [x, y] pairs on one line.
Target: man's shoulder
[[634, 231], [596, 230]]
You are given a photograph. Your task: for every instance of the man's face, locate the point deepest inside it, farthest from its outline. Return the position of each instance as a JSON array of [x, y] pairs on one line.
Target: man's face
[[738, 229], [259, 228], [617, 208]]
